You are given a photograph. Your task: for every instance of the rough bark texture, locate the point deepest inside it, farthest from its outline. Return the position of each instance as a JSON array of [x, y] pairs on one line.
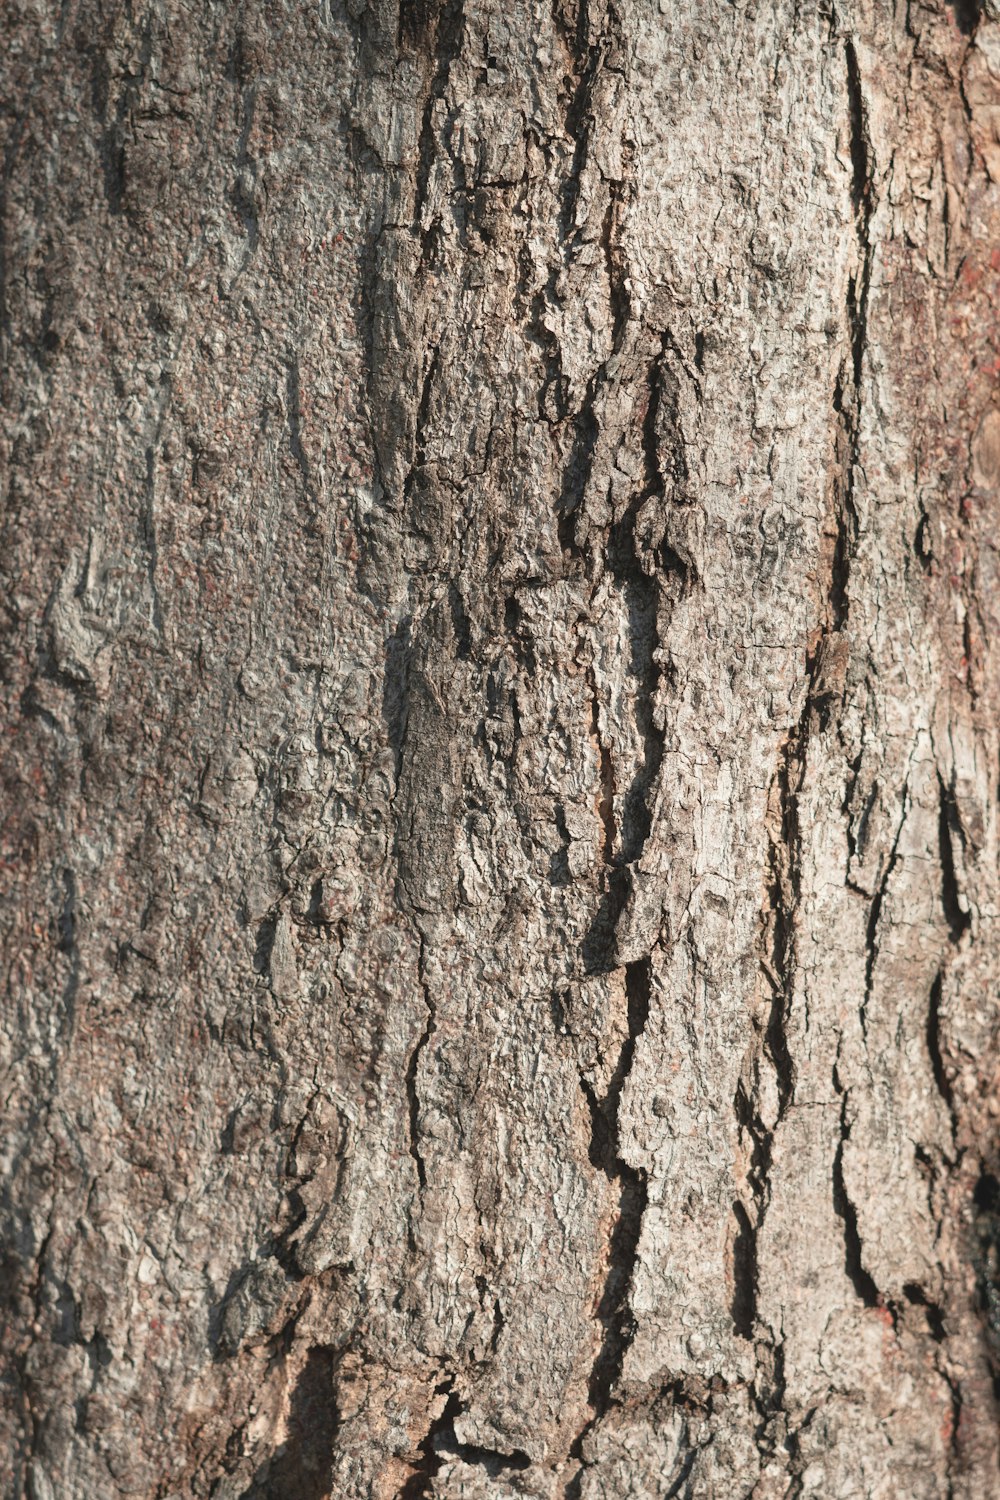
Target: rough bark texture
[[502, 627]]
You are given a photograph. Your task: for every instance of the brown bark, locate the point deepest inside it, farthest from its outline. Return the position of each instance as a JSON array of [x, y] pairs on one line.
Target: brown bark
[[500, 816]]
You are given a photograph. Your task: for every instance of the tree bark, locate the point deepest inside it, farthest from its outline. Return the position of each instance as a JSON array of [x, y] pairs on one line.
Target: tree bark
[[501, 763]]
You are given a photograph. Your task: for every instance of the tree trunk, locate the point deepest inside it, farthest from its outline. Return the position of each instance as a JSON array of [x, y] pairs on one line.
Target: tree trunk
[[500, 554]]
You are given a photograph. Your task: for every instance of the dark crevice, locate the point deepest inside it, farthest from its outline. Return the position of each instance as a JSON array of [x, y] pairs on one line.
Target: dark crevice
[[445, 47], [955, 1425], [613, 1310], [576, 475], [630, 567], [860, 156], [593, 58], [302, 1469], [424, 407], [862, 202], [264, 935], [441, 1443], [615, 260], [776, 1037], [744, 1304], [783, 897], [490, 1459], [579, 121], [662, 440], [498, 1325], [636, 816], [683, 1475], [968, 645], [917, 1297], [638, 991], [461, 622], [859, 1278], [848, 387], [777, 959], [416, 19], [606, 784], [857, 829], [68, 944], [412, 1095], [875, 913], [633, 569], [846, 518], [968, 14], [986, 1195], [413, 1104], [418, 1486], [938, 1068], [986, 1264], [797, 1462], [285, 1246], [750, 1220], [949, 827]]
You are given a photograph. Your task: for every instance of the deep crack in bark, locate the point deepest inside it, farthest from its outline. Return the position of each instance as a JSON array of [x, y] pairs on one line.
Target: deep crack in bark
[[605, 1152], [875, 913], [860, 1279], [440, 1443], [413, 1098]]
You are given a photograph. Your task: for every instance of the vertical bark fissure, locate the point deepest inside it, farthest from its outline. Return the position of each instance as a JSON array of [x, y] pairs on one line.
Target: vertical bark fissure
[[933, 1035], [778, 933], [640, 589], [783, 867], [848, 392], [640, 595], [412, 1093], [875, 913], [776, 946], [69, 946], [845, 1210], [447, 45], [863, 205], [957, 914], [546, 318], [580, 121], [606, 779], [614, 256], [590, 58], [744, 1303], [605, 1152], [986, 1261]]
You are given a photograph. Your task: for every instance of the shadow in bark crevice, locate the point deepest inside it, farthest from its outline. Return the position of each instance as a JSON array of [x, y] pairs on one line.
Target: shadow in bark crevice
[[302, 1468]]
